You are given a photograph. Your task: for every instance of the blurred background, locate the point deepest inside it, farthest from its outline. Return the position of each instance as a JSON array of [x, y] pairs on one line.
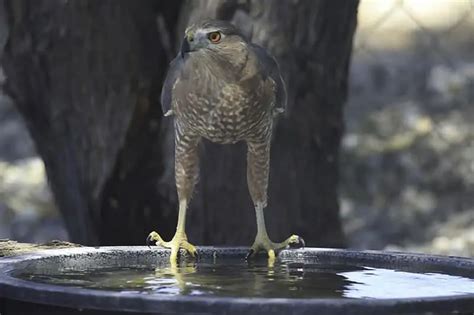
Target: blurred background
[[407, 155]]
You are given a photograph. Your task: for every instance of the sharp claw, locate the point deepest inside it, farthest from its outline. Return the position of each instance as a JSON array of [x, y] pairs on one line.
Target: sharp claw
[[249, 254], [302, 242], [149, 241], [193, 254], [299, 244]]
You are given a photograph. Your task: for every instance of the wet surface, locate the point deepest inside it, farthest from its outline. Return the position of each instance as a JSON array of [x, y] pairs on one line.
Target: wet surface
[[232, 278]]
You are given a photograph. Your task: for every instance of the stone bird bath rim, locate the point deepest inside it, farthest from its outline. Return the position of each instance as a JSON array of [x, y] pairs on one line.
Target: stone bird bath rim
[[80, 298]]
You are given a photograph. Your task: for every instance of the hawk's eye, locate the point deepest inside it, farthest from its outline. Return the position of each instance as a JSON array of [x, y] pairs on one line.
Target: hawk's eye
[[214, 37]]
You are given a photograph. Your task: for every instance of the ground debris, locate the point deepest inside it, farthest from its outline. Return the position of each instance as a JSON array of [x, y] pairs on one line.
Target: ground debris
[[12, 248]]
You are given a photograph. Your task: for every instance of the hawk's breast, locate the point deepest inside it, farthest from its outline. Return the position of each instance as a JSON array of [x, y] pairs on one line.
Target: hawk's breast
[[233, 112]]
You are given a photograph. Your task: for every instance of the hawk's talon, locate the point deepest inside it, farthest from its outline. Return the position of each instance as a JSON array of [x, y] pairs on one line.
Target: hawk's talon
[[196, 255], [153, 239], [250, 253], [149, 241], [179, 241], [263, 242], [296, 241]]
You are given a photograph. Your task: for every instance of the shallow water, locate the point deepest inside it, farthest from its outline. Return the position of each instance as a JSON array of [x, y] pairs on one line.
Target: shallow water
[[283, 280]]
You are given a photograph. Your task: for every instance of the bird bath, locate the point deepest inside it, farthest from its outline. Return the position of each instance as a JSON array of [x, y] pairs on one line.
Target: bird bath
[[108, 280]]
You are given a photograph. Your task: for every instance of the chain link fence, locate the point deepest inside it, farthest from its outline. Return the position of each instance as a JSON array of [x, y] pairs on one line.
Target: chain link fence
[[407, 160]]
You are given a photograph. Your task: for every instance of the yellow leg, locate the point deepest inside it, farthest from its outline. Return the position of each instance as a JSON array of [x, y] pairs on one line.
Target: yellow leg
[[179, 240], [263, 242]]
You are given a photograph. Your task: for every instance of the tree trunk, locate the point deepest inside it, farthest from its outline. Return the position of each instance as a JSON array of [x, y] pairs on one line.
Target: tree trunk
[[86, 76]]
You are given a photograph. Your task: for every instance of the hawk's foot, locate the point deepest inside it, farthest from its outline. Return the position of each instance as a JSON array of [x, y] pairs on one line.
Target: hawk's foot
[[263, 242], [179, 241]]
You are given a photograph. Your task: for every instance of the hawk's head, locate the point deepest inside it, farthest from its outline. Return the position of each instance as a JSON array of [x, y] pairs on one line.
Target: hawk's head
[[212, 36]]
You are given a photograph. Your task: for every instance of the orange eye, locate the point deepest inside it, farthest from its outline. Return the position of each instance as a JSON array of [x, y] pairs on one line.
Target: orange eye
[[214, 37]]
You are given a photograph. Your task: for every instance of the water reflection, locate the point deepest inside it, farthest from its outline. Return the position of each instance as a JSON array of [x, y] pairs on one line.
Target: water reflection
[[287, 279], [235, 278]]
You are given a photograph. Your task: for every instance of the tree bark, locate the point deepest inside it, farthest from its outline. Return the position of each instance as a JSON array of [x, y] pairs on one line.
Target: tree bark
[[86, 76]]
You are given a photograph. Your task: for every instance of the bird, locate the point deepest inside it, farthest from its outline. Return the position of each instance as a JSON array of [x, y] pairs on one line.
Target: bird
[[226, 89]]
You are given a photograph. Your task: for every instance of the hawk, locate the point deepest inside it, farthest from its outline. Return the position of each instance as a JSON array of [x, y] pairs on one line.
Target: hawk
[[226, 89]]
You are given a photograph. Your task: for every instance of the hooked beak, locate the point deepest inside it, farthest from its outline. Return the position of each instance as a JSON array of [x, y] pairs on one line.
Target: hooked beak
[[185, 48]]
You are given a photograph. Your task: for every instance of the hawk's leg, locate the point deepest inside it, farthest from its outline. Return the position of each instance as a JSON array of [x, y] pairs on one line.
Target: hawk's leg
[[186, 172], [258, 162]]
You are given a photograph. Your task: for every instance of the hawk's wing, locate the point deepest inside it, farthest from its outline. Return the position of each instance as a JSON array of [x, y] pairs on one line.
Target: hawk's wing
[[167, 89], [270, 68]]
